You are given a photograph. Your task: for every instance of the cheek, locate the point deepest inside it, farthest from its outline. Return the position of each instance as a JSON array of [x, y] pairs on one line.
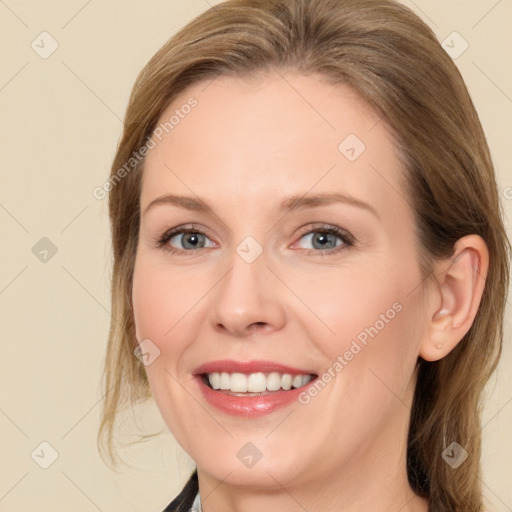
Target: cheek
[[370, 360], [351, 303], [161, 297], [378, 380], [161, 300], [151, 309], [374, 319]]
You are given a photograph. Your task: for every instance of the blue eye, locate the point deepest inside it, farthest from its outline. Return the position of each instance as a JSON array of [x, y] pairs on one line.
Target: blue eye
[[324, 239], [188, 239]]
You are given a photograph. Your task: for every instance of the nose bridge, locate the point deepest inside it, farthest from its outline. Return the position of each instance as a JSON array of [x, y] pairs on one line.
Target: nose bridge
[[246, 295]]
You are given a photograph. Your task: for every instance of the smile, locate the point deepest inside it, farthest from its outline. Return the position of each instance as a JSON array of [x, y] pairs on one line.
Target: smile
[[251, 389], [255, 383]]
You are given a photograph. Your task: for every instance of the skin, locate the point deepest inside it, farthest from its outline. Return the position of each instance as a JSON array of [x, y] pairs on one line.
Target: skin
[[246, 147]]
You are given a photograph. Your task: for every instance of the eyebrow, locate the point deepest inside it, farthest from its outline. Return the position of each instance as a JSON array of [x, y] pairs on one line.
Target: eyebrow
[[293, 203]]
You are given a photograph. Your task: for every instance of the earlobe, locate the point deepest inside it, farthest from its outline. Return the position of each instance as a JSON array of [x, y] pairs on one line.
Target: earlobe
[[456, 298]]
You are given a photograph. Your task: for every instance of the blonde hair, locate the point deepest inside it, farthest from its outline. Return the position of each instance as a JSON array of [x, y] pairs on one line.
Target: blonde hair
[[392, 59]]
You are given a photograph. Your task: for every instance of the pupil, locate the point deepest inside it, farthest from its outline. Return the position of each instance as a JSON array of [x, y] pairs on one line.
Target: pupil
[[192, 240], [324, 240]]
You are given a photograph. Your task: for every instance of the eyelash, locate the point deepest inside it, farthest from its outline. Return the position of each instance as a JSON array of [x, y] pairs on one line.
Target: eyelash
[[347, 239]]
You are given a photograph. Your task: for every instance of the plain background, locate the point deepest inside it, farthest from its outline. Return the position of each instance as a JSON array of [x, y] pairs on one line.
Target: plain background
[[61, 119]]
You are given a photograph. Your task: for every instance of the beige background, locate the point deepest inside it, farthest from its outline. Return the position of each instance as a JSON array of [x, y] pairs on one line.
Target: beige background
[[60, 123]]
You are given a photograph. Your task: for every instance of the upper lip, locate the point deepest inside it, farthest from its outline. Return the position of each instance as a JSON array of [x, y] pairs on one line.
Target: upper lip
[[248, 367]]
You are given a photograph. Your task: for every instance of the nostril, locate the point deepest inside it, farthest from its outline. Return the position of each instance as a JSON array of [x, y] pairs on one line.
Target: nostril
[[257, 324]]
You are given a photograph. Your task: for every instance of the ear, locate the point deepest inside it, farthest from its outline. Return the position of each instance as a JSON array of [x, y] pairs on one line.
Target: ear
[[456, 298]]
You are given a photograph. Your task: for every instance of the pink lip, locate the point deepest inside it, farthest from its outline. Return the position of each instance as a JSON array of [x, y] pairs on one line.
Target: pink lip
[[248, 406], [230, 366]]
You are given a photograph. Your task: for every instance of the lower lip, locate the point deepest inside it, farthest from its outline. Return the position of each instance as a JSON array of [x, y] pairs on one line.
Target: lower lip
[[250, 406]]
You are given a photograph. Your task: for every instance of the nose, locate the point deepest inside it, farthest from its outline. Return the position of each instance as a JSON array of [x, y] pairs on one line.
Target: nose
[[248, 300]]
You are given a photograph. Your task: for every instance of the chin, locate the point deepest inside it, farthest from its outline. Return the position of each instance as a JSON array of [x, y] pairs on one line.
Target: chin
[[262, 476]]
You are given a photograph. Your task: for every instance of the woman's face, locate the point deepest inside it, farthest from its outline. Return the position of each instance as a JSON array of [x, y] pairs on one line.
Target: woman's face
[[298, 262]]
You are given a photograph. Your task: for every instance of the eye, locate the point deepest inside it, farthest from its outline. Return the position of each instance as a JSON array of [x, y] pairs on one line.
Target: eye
[[184, 240], [326, 239]]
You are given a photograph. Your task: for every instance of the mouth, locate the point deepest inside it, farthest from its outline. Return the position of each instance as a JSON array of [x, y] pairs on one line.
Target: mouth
[[254, 384], [252, 388]]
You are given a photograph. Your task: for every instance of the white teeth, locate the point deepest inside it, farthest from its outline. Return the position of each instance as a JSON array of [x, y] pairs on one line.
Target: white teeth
[[223, 381], [256, 382], [215, 380], [238, 383], [297, 381], [286, 381], [274, 381]]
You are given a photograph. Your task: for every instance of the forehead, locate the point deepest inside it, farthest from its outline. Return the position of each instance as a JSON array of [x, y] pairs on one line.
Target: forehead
[[274, 135]]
